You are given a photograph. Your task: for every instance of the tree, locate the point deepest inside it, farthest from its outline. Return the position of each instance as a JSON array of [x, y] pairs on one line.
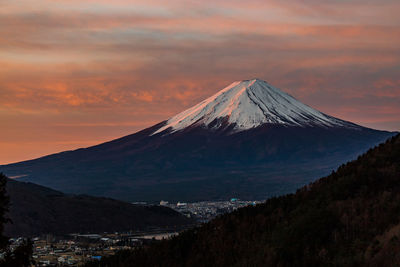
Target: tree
[[21, 255], [4, 203]]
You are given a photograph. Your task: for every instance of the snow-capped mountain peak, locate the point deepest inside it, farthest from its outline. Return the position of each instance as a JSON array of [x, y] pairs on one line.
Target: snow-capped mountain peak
[[248, 104]]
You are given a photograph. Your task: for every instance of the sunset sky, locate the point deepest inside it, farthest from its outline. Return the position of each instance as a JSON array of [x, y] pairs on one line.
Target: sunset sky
[[77, 73]]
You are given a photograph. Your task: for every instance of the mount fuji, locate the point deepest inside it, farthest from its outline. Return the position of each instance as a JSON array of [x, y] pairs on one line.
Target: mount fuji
[[250, 140]]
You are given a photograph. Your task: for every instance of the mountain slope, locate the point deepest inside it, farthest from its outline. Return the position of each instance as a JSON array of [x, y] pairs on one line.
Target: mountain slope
[[39, 210], [250, 140], [350, 218]]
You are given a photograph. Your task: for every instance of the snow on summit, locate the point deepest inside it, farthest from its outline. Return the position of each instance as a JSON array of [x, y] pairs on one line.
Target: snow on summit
[[248, 104]]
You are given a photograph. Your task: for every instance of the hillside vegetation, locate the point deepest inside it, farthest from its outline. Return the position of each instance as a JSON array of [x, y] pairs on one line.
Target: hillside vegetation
[[350, 218], [36, 210]]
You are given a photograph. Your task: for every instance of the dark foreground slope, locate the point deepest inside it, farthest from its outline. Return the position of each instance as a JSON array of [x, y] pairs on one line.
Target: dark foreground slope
[[39, 210], [350, 218]]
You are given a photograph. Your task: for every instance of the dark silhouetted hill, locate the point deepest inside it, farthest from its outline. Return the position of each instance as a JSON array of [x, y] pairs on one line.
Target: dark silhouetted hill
[[39, 210], [349, 218]]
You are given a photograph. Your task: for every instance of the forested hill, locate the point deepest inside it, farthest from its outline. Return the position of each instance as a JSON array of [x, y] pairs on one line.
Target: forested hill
[[37, 210], [350, 218]]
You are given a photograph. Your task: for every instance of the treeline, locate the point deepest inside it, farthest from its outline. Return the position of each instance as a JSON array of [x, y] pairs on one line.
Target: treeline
[[350, 218]]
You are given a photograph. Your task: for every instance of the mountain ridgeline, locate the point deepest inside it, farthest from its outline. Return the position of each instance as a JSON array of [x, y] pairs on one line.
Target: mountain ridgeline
[[349, 218], [37, 210], [249, 140]]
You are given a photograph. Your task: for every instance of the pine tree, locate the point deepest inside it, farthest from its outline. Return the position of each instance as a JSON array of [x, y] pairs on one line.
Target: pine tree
[[4, 203], [21, 255]]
